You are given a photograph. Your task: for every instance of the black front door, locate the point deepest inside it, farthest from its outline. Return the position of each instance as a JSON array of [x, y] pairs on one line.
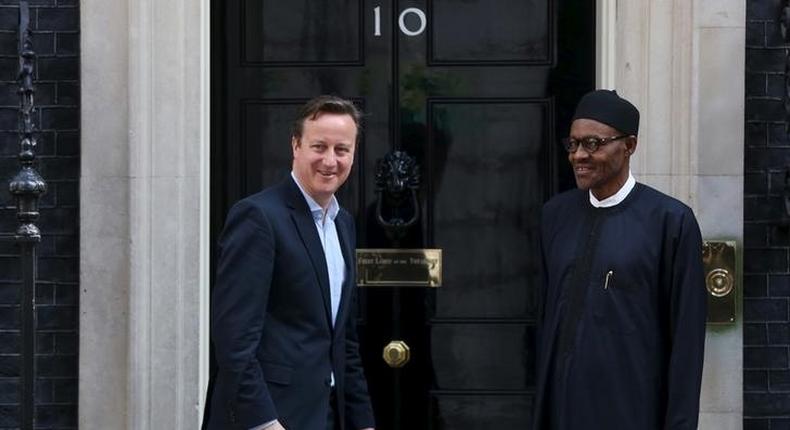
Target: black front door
[[478, 92]]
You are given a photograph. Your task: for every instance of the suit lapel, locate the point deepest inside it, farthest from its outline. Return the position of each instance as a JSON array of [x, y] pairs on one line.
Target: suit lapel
[[303, 219], [350, 260]]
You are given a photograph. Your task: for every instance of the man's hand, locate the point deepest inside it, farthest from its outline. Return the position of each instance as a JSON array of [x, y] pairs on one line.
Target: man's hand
[[276, 426], [369, 428]]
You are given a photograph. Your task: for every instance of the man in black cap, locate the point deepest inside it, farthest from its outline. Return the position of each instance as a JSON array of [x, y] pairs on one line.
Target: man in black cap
[[621, 325]]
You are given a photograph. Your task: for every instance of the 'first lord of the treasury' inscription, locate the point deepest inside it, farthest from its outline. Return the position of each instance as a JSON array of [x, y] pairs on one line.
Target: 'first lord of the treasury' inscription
[[399, 267]]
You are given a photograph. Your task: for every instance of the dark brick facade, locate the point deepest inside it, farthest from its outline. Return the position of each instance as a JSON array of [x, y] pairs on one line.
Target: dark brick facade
[[767, 227], [56, 43]]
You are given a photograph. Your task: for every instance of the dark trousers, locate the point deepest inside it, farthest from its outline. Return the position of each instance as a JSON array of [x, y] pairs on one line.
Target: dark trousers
[[332, 416]]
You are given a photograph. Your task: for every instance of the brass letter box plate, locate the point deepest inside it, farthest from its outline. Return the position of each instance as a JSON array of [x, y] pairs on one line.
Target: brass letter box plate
[[399, 267], [720, 280]]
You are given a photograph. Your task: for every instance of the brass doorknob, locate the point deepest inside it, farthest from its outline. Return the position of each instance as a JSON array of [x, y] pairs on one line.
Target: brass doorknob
[[396, 353]]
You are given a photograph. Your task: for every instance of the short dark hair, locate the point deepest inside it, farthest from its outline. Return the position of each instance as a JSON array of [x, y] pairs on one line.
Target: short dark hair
[[325, 104]]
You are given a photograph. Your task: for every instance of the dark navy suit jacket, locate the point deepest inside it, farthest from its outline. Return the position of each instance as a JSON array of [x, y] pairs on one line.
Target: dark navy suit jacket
[[271, 324]]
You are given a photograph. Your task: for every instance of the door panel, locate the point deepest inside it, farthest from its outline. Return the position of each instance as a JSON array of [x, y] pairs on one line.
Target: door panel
[[482, 411], [482, 356], [474, 32], [477, 91], [300, 32], [488, 195]]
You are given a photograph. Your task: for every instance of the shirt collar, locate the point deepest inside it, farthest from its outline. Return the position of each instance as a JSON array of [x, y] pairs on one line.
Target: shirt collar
[[315, 209], [617, 197]]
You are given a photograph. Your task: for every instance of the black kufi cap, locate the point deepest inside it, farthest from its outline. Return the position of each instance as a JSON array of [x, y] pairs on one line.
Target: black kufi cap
[[605, 106]]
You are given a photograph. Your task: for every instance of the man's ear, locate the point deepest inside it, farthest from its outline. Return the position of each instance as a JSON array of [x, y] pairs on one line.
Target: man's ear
[[295, 142], [630, 145]]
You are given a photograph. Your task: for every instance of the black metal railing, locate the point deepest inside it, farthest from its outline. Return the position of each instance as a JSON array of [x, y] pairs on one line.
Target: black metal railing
[[26, 187]]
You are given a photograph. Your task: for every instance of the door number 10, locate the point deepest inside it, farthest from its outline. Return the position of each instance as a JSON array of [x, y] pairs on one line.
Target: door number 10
[[401, 21]]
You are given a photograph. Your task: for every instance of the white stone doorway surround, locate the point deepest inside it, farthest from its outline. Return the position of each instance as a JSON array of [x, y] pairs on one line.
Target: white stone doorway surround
[[682, 63], [144, 213], [144, 185]]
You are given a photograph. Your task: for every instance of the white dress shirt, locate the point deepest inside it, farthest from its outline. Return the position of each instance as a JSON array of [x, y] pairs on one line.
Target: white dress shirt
[[616, 198]]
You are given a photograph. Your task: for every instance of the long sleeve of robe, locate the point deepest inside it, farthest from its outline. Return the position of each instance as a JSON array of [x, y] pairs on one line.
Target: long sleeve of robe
[[621, 323]]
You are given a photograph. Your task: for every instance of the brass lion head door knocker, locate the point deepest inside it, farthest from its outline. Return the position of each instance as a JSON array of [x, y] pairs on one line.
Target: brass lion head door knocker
[[397, 211], [397, 185]]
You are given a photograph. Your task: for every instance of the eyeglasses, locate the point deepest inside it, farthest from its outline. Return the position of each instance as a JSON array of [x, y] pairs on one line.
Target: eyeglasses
[[590, 144]]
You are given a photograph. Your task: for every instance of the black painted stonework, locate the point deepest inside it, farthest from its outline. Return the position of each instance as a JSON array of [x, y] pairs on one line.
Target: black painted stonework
[[766, 307], [55, 26]]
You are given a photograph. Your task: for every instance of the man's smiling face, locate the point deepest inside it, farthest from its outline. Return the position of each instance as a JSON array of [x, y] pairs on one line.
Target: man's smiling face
[[605, 170], [323, 156]]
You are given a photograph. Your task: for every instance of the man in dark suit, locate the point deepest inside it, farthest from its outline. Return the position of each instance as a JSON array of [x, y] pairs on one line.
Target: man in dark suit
[[283, 322]]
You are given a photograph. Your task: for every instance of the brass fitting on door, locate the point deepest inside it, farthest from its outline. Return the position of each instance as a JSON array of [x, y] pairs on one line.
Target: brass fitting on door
[[396, 354], [720, 280]]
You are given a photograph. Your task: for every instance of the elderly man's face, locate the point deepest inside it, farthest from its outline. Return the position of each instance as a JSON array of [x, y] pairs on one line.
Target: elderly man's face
[[605, 170]]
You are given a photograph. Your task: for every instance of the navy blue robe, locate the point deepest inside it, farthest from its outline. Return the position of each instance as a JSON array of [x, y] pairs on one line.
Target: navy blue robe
[[627, 352]]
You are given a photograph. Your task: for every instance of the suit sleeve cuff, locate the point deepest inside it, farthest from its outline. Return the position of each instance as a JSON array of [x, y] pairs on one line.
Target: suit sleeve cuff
[[265, 425]]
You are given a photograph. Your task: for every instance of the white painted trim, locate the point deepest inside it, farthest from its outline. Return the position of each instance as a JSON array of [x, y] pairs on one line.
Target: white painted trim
[[606, 44], [143, 358], [141, 113], [205, 199], [669, 64], [104, 215]]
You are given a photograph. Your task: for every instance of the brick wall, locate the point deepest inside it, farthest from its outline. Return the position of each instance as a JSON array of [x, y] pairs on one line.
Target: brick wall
[[56, 43], [767, 227]]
